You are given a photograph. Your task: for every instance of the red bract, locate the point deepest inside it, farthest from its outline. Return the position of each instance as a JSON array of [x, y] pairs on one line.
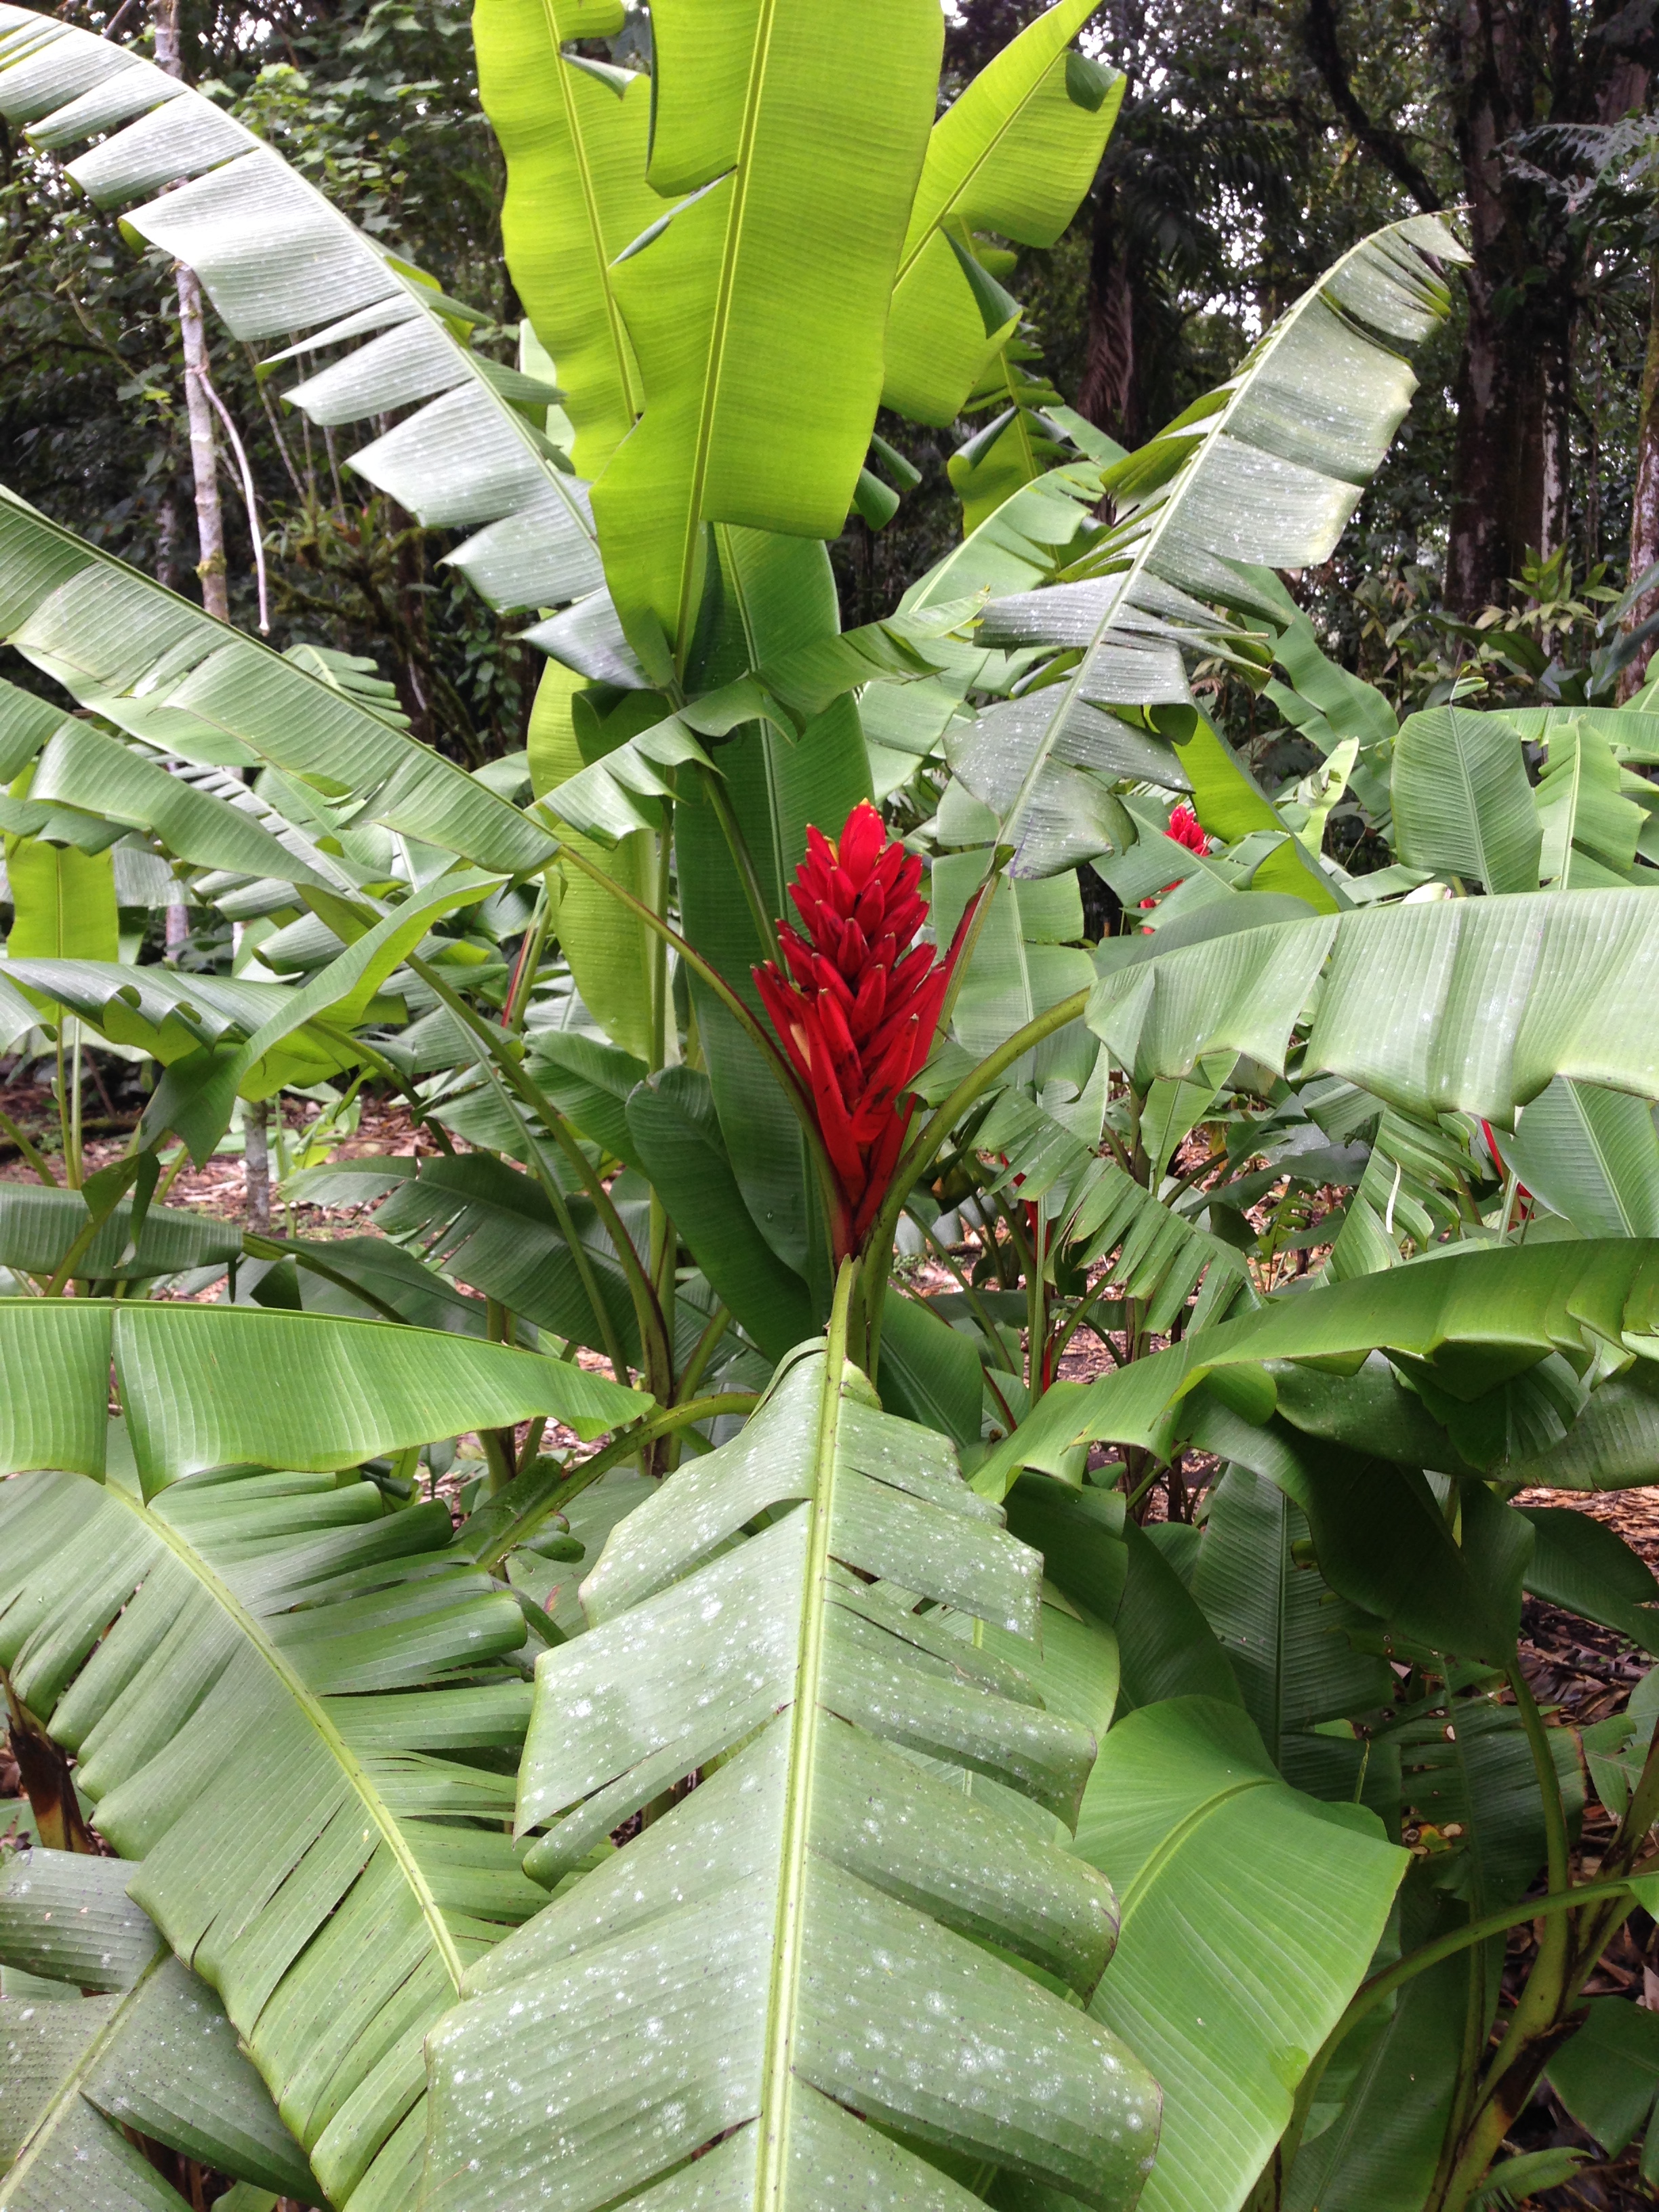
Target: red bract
[[858, 1005], [1185, 829]]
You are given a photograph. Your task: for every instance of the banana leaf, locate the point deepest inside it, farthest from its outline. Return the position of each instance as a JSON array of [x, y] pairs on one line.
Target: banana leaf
[[1266, 469], [750, 1976], [756, 304], [1014, 154], [204, 1387], [155, 2054], [274, 257], [288, 1704]]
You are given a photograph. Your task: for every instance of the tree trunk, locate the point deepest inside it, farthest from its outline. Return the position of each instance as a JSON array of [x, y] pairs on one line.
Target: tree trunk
[[1644, 501], [1110, 392], [256, 1161], [210, 520]]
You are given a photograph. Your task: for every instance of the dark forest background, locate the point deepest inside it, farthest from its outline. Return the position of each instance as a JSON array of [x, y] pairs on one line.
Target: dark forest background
[[1258, 140]]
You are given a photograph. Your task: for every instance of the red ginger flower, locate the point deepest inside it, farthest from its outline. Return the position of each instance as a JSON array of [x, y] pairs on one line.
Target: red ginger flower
[[1185, 829], [859, 1001]]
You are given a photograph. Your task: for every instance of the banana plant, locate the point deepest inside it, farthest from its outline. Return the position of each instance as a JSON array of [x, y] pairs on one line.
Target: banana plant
[[789, 1849]]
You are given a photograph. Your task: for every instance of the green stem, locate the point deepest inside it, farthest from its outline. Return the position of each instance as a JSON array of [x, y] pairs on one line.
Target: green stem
[[9, 1129], [1036, 1316], [491, 1533], [530, 960], [653, 1336], [743, 860], [734, 1005], [80, 1174], [703, 1351], [419, 1114]]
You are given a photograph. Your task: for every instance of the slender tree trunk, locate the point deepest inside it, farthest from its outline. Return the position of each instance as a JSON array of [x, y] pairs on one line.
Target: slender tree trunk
[[1110, 392], [256, 1161], [1645, 501], [209, 520]]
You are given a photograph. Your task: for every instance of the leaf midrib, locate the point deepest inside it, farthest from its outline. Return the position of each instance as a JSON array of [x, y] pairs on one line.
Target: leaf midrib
[[1168, 501], [64, 2098], [366, 245], [1169, 1844], [730, 252], [312, 1706], [783, 1996], [591, 210]]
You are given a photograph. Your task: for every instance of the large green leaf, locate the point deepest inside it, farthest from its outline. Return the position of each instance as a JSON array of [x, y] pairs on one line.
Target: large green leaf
[[1113, 1575], [63, 902], [39, 1228], [160, 668], [1014, 154], [1267, 469], [82, 768], [157, 2054], [774, 596], [1382, 1540], [1461, 803], [610, 951], [1284, 1630], [1474, 1318], [495, 1229], [1467, 1004], [276, 258], [1249, 1915], [1612, 1445], [783, 1970], [756, 305], [208, 1387], [1592, 1155], [576, 136], [1607, 2074], [677, 1138], [1376, 2146], [284, 1700]]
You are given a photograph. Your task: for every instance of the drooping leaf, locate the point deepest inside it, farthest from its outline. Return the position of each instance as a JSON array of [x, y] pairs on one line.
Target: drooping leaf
[[38, 1227], [264, 1677], [1473, 1318], [1591, 1155], [1471, 1004], [1250, 1913], [763, 1958], [160, 668], [1258, 472], [275, 257], [213, 1385], [1461, 803], [157, 2054]]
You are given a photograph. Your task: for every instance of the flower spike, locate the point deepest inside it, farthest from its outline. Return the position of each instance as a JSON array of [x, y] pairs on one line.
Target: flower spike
[[856, 1002]]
